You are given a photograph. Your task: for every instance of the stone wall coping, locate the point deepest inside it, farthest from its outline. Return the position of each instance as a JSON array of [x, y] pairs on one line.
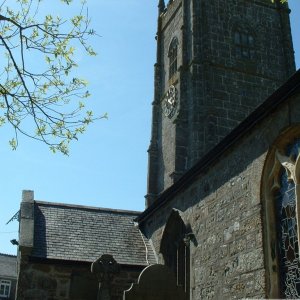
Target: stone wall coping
[[282, 94], [8, 255]]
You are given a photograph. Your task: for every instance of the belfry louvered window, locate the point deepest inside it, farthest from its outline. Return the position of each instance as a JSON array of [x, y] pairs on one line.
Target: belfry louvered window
[[244, 45], [173, 49]]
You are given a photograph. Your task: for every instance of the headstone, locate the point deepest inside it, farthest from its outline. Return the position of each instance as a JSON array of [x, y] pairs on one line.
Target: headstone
[[156, 282], [105, 268]]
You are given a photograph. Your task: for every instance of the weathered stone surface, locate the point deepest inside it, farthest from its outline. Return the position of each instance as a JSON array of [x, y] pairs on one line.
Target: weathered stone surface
[[224, 207], [156, 282], [26, 239], [217, 88], [40, 281], [105, 268]]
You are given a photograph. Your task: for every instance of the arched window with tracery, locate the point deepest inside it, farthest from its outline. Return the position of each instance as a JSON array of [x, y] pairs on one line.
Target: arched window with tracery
[[175, 249], [287, 227], [172, 54], [281, 217]]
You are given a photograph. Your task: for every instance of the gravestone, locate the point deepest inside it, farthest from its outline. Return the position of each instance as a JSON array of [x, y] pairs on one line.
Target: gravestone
[[105, 268], [156, 282]]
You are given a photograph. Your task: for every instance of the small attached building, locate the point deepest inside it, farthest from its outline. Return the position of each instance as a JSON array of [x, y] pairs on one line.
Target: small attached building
[[59, 242]]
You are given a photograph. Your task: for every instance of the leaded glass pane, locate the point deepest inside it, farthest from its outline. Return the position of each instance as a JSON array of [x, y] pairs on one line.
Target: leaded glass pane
[[287, 233], [237, 39], [244, 39], [245, 52], [238, 52], [250, 40]]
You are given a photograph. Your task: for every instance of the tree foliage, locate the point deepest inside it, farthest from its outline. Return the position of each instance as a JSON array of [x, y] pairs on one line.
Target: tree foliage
[[281, 1], [43, 100]]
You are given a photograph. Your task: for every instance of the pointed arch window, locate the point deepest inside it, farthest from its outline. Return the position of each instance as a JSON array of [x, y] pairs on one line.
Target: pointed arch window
[[287, 227], [173, 49], [282, 220], [175, 249]]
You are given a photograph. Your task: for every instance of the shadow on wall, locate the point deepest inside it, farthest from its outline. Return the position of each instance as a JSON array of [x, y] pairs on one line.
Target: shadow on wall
[[39, 233]]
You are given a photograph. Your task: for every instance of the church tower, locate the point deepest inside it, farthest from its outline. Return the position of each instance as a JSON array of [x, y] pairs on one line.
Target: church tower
[[216, 61]]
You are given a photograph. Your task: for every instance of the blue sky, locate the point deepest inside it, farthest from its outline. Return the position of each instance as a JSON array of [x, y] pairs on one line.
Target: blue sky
[[107, 167]]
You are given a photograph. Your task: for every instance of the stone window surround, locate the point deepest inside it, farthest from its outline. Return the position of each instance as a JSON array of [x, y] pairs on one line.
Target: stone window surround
[[5, 286], [274, 163], [181, 235]]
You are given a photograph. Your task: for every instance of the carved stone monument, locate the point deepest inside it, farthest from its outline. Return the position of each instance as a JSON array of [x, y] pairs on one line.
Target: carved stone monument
[[105, 268]]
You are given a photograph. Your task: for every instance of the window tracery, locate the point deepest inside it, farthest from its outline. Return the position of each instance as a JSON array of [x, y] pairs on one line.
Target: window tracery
[[281, 210], [287, 227]]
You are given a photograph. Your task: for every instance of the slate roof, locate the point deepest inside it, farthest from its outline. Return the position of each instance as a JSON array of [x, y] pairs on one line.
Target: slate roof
[[8, 266], [81, 233]]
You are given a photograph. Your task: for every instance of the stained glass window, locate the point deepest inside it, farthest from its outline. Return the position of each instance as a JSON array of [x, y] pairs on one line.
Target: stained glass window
[[287, 229]]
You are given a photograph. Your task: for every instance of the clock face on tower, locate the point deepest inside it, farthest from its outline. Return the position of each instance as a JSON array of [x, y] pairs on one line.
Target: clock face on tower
[[170, 102]]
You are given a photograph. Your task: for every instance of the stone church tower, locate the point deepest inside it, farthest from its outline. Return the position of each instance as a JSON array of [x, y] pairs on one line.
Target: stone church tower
[[217, 60]]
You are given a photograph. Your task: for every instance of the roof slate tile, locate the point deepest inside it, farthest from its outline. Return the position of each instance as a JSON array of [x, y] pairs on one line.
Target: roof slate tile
[[80, 233], [8, 266]]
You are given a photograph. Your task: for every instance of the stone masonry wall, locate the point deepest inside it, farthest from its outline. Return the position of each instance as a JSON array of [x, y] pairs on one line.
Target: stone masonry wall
[[228, 87], [224, 209], [171, 28], [44, 281], [217, 88]]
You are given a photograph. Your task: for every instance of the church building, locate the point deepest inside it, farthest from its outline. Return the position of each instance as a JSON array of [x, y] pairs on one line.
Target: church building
[[222, 209]]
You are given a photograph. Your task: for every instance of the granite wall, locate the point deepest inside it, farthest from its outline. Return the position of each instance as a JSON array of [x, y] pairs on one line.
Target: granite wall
[[68, 281], [217, 88], [224, 207]]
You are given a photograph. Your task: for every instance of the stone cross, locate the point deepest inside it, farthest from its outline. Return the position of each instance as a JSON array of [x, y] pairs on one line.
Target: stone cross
[[105, 268]]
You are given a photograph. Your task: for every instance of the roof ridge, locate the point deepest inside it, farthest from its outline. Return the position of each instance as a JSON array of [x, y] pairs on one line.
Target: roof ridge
[[85, 207], [9, 255]]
